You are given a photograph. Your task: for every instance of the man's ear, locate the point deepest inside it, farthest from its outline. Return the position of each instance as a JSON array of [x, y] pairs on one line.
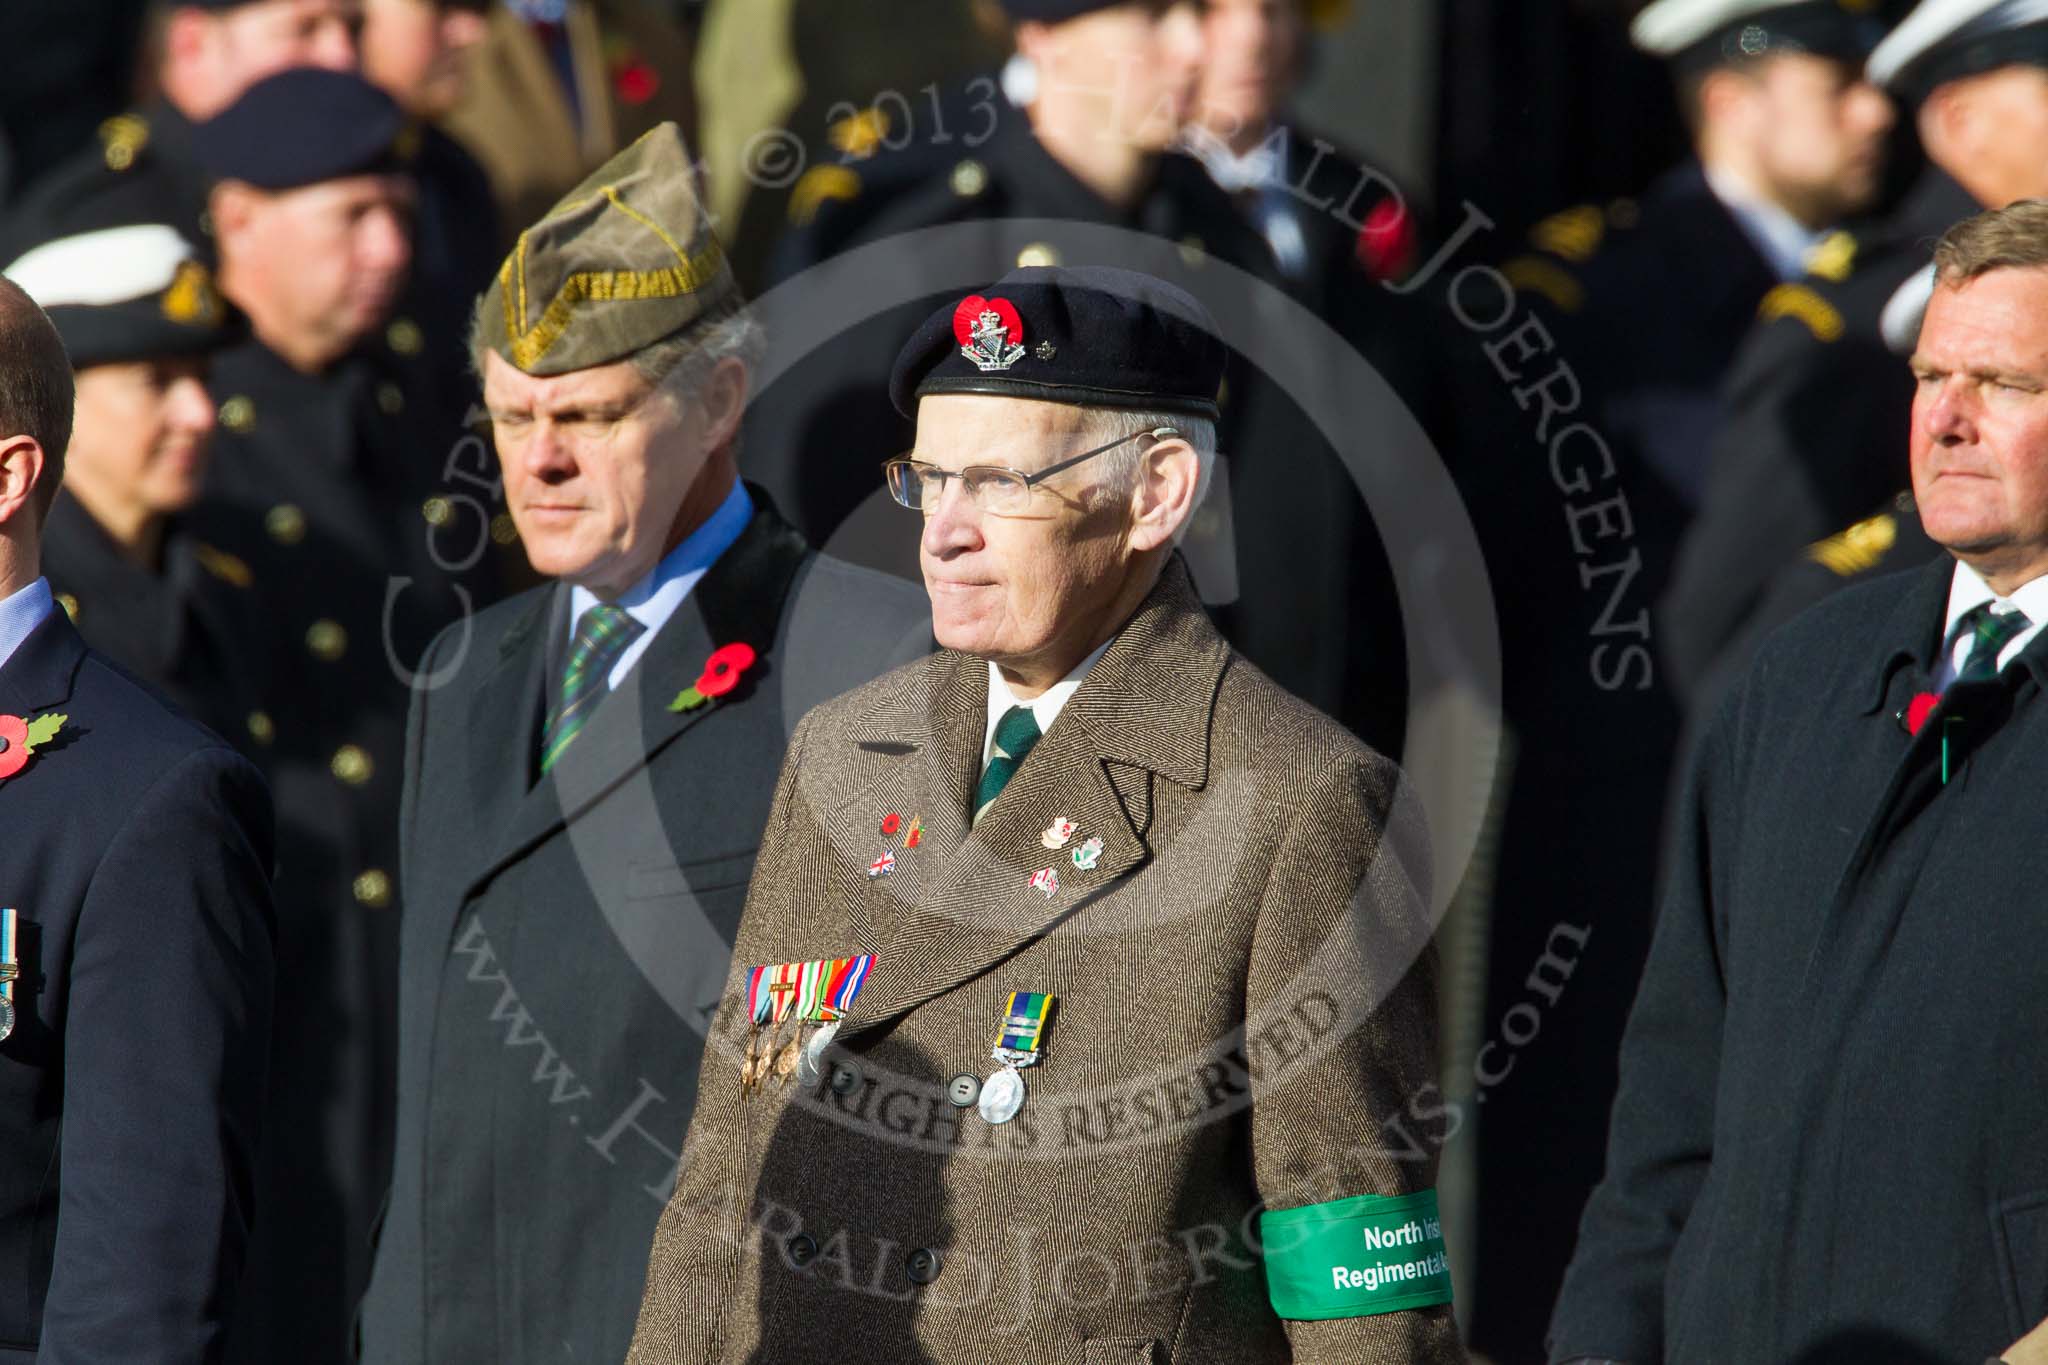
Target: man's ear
[[230, 208], [1722, 92], [724, 402], [21, 470], [1169, 480], [1943, 116]]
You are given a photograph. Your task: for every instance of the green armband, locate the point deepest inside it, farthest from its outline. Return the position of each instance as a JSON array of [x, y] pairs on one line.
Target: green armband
[[1351, 1258]]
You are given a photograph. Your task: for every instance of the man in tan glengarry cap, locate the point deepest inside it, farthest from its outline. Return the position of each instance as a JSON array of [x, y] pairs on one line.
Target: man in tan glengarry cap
[[580, 816]]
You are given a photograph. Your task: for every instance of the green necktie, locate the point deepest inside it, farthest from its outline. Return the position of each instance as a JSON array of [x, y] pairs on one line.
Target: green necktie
[[602, 635], [1016, 732], [1990, 632]]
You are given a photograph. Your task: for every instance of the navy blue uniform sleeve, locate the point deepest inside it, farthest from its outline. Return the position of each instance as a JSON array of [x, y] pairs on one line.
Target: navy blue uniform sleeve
[[166, 1041], [1660, 1140]]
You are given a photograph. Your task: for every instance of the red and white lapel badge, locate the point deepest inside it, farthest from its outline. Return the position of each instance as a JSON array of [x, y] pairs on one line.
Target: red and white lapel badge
[[882, 866], [990, 332], [1046, 880], [1058, 832]]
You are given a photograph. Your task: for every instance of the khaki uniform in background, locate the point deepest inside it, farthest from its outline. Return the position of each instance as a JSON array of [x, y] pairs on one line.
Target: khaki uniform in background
[[632, 71]]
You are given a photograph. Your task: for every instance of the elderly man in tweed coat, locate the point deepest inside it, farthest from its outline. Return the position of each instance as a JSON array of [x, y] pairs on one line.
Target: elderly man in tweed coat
[[1082, 1005]]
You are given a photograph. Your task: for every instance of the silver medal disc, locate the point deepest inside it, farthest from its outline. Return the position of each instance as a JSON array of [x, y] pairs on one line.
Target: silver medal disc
[[810, 1064], [1002, 1095], [6, 1019]]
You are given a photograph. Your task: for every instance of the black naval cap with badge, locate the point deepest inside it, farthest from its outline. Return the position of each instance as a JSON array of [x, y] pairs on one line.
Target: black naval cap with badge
[[1946, 40], [303, 126], [119, 282], [1695, 35], [1089, 336]]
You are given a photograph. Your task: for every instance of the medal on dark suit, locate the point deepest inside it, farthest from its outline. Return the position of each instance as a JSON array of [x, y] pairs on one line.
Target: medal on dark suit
[[10, 971]]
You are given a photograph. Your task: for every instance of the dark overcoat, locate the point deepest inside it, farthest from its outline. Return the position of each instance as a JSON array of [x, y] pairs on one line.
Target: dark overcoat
[[137, 856], [1828, 1143], [566, 939]]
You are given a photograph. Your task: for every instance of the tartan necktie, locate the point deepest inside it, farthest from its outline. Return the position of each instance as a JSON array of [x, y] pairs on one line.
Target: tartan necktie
[[1016, 732], [602, 635], [1989, 633]]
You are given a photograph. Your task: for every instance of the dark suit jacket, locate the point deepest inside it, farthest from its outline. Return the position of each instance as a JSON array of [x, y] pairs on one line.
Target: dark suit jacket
[[137, 853], [566, 939], [1246, 1017], [1828, 1140]]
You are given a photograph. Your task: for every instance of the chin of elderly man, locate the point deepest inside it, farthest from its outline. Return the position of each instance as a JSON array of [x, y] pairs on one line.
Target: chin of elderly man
[[589, 767], [136, 962], [1084, 981], [1827, 1144]]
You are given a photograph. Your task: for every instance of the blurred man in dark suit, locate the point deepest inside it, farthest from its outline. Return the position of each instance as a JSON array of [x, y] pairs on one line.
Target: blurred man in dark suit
[[136, 974]]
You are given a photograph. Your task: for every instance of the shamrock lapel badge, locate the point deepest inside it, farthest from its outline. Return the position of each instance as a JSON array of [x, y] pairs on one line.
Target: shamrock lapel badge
[[721, 675], [20, 738], [1088, 854]]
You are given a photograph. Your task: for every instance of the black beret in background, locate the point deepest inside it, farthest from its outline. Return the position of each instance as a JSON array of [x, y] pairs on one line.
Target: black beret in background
[[1084, 335], [304, 126]]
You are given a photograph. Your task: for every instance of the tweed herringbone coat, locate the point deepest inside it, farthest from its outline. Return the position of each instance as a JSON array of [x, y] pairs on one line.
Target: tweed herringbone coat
[[1235, 1028]]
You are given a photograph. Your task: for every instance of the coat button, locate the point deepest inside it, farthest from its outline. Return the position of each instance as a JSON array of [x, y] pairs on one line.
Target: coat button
[[846, 1078], [326, 640], [963, 1090], [262, 728], [286, 524], [801, 1250], [373, 889], [922, 1265], [238, 413]]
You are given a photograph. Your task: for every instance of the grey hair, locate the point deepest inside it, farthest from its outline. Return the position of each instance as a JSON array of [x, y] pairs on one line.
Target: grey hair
[[1104, 425]]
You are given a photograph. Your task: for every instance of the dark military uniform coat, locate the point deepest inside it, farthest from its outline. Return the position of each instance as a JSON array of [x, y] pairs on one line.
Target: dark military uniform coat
[[1827, 1145], [131, 1089], [1246, 1001], [1817, 407], [566, 940], [364, 514], [192, 628]]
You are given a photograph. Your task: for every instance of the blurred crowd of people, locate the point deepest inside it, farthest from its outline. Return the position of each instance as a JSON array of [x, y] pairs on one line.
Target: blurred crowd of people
[[1672, 421]]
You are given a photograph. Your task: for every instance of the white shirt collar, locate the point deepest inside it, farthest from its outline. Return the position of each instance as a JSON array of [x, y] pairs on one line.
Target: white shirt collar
[[20, 613], [1045, 707], [655, 598], [1968, 590], [1253, 169], [1784, 241]]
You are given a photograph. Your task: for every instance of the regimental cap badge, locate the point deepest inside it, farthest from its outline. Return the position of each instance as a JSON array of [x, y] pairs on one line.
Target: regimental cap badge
[[990, 332], [192, 298]]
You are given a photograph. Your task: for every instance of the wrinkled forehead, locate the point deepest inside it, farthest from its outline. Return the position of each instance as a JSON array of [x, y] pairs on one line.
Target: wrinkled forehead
[[1998, 320], [956, 429], [510, 389]]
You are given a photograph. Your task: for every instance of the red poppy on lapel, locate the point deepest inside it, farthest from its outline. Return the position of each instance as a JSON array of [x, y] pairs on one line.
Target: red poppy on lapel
[[19, 739], [1919, 709]]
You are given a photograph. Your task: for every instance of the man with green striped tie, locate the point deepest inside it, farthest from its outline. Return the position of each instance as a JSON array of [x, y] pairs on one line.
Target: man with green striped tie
[[1145, 938], [589, 772]]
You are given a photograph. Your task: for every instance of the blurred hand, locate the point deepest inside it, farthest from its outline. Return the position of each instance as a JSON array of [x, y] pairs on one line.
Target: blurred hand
[[2031, 1349]]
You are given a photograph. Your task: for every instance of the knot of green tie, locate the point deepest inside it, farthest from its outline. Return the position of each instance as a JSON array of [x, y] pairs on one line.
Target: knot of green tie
[[603, 633], [1989, 632], [1016, 732]]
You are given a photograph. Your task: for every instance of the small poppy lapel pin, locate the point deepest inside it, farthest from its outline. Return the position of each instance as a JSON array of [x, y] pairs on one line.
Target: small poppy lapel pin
[[1919, 709], [721, 675], [20, 738]]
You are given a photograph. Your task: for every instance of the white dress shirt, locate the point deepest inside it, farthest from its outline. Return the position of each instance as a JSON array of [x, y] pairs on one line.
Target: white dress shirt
[[655, 598], [1045, 707], [20, 613], [1968, 590]]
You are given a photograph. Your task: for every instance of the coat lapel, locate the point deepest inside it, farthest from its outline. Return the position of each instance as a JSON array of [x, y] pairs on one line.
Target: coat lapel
[[504, 719], [38, 676], [741, 598], [1141, 715]]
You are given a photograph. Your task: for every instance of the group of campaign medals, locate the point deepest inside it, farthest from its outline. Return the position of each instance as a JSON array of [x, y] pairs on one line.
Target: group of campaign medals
[[814, 996], [10, 971]]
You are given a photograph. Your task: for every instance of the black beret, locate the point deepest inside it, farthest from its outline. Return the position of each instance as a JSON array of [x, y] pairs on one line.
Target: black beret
[[117, 278], [303, 126], [1088, 335]]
